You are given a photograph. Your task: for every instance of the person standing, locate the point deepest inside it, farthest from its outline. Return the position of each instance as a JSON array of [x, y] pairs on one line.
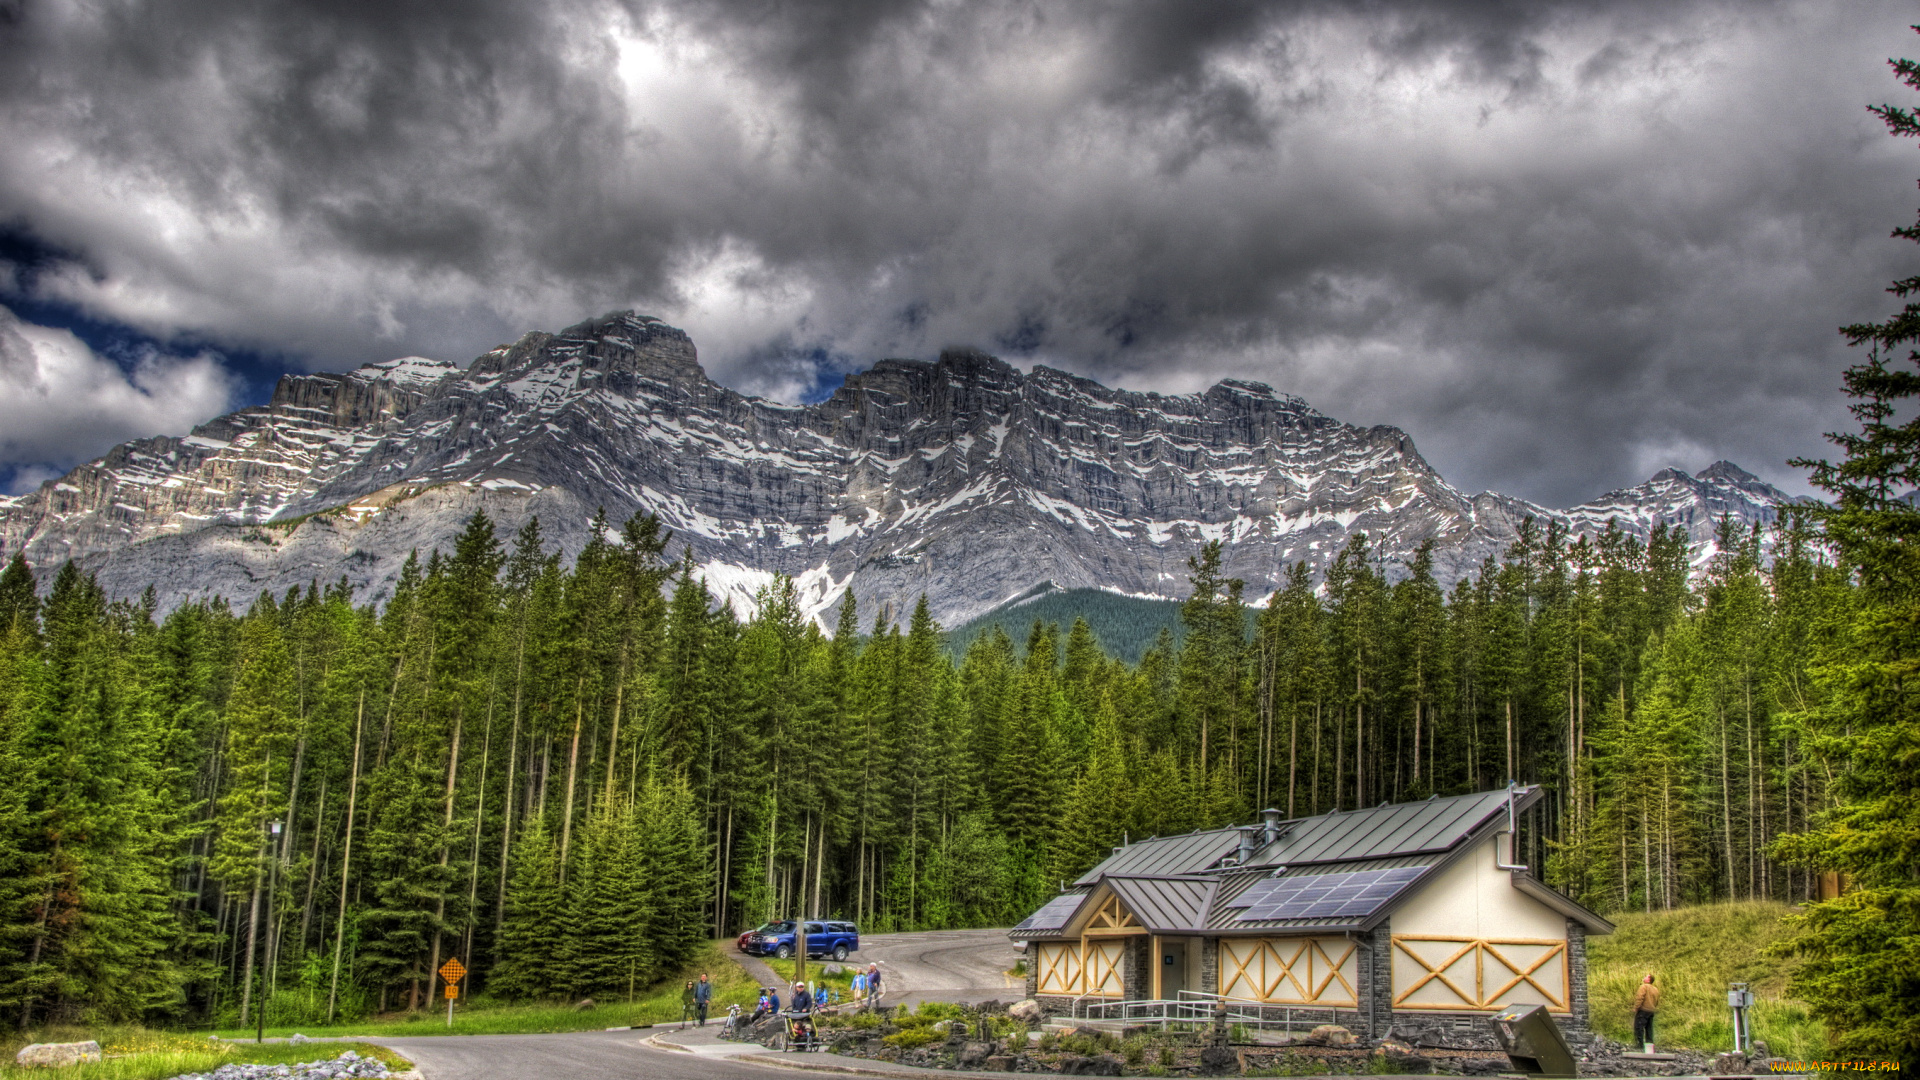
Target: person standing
[[873, 986], [702, 997], [686, 1003], [1646, 1002]]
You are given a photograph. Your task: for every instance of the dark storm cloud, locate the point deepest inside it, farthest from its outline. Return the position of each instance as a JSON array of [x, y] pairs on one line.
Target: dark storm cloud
[[1562, 244]]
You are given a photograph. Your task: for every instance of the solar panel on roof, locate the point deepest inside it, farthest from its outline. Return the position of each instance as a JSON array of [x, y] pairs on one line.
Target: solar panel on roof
[[1322, 896], [1054, 914], [1254, 893]]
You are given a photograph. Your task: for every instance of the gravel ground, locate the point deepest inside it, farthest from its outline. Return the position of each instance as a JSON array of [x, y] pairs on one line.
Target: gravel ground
[[348, 1064]]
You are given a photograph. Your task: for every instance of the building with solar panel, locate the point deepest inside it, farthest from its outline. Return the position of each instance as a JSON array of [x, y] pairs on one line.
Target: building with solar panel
[[1412, 914]]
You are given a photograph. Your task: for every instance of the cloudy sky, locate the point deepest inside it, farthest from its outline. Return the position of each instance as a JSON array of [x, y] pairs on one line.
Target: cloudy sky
[[1562, 244]]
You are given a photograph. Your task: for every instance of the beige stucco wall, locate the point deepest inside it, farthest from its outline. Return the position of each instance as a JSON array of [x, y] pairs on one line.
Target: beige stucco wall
[[1483, 935]]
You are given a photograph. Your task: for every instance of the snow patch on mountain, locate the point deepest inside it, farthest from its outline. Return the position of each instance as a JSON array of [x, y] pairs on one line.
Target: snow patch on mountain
[[961, 477]]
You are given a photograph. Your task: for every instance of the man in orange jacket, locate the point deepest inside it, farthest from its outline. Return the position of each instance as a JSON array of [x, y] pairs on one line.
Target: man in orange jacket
[[1646, 1002]]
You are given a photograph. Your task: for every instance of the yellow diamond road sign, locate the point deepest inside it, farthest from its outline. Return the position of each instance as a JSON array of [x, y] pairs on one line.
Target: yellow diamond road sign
[[453, 971]]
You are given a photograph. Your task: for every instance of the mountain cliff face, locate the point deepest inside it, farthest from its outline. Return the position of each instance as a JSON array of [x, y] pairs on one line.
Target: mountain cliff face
[[963, 478]]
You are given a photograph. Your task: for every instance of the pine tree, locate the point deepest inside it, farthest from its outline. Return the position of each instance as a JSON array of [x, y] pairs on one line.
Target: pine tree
[[1862, 951], [526, 964]]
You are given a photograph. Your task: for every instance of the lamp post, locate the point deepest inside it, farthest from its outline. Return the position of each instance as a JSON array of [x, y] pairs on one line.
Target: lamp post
[[260, 1013]]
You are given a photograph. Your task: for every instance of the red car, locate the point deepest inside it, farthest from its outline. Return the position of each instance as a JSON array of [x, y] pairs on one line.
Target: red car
[[742, 942]]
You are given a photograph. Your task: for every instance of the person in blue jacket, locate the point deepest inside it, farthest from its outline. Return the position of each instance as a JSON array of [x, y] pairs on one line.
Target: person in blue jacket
[[702, 997]]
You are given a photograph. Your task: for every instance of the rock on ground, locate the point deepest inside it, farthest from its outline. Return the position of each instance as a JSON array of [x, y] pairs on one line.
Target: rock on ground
[[57, 1054], [1331, 1035]]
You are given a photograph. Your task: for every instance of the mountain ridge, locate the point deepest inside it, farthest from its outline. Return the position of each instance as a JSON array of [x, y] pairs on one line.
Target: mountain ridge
[[961, 477]]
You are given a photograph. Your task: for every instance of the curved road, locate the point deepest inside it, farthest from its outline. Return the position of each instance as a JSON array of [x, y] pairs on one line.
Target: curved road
[[592, 1055], [943, 965], [947, 965]]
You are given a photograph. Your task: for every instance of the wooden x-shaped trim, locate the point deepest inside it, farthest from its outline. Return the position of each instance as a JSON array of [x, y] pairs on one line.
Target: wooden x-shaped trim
[[1481, 948], [1438, 971], [1526, 976], [1053, 959], [1261, 966], [1333, 972]]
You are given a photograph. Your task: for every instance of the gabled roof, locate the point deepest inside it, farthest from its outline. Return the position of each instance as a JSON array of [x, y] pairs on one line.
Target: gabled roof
[[1161, 856], [1433, 825], [1427, 827], [1164, 905]]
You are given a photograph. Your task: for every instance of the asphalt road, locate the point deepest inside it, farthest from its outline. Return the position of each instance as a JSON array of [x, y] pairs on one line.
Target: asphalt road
[[943, 965], [606, 1055], [948, 965]]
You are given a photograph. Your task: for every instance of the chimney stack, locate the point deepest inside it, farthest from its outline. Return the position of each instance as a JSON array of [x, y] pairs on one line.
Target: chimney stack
[[1271, 830], [1248, 845]]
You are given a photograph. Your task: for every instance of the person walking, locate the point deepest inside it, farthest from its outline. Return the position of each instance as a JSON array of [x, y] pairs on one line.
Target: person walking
[[873, 986], [702, 997], [1646, 1002], [686, 1003]]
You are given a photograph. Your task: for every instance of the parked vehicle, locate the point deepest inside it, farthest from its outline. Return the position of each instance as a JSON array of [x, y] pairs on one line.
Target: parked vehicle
[[745, 941], [835, 939]]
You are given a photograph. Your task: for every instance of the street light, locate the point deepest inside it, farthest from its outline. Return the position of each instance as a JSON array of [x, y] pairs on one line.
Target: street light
[[260, 1013]]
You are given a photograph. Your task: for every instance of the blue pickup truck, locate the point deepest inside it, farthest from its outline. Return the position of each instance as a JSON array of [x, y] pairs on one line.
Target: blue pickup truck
[[835, 939]]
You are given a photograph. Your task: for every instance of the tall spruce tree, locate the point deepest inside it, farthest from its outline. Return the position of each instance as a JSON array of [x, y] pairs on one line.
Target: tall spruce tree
[[1862, 950]]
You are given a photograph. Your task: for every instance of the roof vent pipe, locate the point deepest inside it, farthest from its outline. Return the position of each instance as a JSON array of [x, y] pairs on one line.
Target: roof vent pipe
[[1248, 845], [1513, 834], [1270, 831]]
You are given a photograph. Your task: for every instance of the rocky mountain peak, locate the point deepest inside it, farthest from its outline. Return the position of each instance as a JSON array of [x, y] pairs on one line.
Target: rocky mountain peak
[[961, 477], [619, 342], [1728, 472]]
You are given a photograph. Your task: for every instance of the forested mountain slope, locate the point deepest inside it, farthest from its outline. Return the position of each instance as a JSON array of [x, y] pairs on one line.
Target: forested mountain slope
[[570, 773]]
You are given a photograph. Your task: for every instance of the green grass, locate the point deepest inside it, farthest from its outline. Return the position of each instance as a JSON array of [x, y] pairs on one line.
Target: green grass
[[1693, 954], [658, 1004], [842, 982], [139, 1054]]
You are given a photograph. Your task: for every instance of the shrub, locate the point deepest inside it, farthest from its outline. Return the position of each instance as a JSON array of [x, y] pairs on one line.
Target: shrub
[[912, 1038]]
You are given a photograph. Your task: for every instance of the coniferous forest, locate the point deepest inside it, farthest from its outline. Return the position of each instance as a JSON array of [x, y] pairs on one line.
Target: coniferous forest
[[572, 776]]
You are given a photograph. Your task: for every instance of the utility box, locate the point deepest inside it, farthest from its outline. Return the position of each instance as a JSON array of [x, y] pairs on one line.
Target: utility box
[[1533, 1041]]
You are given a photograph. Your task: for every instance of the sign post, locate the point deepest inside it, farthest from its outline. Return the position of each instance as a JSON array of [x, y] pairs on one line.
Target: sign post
[[452, 971]]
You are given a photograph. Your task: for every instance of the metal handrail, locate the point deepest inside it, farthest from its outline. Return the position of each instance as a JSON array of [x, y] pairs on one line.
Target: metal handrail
[[1193, 1006]]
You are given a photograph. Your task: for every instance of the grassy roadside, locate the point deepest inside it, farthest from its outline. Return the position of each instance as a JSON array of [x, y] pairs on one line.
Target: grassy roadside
[[483, 1016], [139, 1054], [1694, 953], [842, 983]]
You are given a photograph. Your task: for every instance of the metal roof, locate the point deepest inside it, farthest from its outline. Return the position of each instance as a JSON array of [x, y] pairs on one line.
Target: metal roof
[[1164, 905], [1161, 856], [1176, 883], [1048, 921], [1400, 829]]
